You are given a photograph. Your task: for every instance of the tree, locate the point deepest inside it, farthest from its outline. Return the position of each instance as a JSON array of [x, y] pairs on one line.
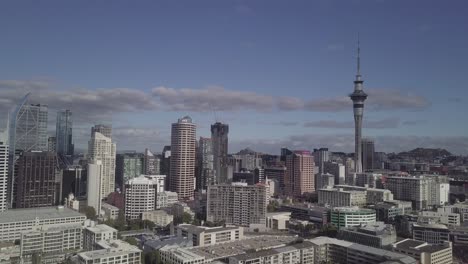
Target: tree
[[152, 257], [186, 218], [328, 230], [90, 212], [119, 223], [132, 241], [147, 224]]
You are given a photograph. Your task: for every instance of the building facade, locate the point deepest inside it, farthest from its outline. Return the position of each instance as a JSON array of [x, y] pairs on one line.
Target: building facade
[[205, 164], [182, 169], [4, 170], [299, 177], [128, 166], [378, 234], [352, 216], [151, 163], [64, 133], [140, 196], [219, 137], [94, 182], [340, 197]]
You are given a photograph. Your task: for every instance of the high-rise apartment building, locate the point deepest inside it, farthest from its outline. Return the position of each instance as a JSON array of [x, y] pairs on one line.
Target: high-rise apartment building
[[182, 174], [368, 153], [151, 163], [140, 195], [299, 177], [205, 174], [94, 188], [100, 147], [237, 204], [36, 179], [219, 137], [63, 133], [3, 170], [128, 166]]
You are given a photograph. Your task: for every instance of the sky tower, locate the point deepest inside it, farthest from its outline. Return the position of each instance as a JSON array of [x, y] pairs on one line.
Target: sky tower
[[358, 97]]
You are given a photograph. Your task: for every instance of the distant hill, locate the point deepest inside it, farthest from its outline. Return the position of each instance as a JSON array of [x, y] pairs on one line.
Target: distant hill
[[425, 153], [246, 151]]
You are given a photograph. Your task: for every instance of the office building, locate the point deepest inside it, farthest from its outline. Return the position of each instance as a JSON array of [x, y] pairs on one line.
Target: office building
[[299, 177], [336, 169], [52, 243], [205, 165], [165, 164], [378, 234], [52, 144], [95, 233], [250, 177], [368, 150], [373, 195], [151, 163], [318, 215], [16, 221], [352, 216], [339, 197], [36, 185], [94, 181], [324, 180], [425, 253], [128, 166], [158, 217], [64, 133], [203, 236], [278, 220], [219, 137], [277, 174], [387, 211], [237, 204], [166, 199], [4, 170], [140, 195], [73, 178], [101, 148], [182, 174], [113, 252], [431, 233], [321, 156], [373, 180], [440, 217]]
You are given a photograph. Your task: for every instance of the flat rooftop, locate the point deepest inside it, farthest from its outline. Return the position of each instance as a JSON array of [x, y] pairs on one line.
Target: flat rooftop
[[419, 246], [101, 228], [30, 214], [112, 249]]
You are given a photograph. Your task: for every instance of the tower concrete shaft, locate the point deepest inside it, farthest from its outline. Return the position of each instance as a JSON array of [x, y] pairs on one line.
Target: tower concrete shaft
[[358, 97]]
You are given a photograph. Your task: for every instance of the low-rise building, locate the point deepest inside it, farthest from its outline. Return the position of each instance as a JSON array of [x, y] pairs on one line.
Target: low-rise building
[[95, 233], [113, 252], [339, 197], [319, 215], [278, 220], [373, 195], [378, 234], [159, 217], [431, 233], [425, 253], [352, 216], [166, 199], [202, 236], [110, 212], [387, 211], [440, 217]]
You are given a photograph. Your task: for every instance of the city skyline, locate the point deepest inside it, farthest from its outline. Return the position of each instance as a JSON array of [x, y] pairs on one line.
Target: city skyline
[[288, 86]]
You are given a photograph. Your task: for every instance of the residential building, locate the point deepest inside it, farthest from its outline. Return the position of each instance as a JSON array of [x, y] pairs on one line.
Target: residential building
[[299, 177], [237, 204], [128, 166], [415, 189], [13, 222], [166, 199], [36, 184], [94, 181], [219, 137], [101, 148], [96, 233], [203, 236], [159, 217], [140, 195], [64, 133], [340, 197], [378, 234], [4, 170], [425, 253], [151, 163], [182, 169], [205, 165], [351, 216], [110, 212], [113, 252], [278, 220], [431, 233]]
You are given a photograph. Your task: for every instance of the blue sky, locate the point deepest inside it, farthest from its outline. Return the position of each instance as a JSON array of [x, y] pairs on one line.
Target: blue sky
[[277, 71]]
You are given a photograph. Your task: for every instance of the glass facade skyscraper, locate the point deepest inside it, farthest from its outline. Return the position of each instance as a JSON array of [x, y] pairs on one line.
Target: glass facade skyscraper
[[64, 142]]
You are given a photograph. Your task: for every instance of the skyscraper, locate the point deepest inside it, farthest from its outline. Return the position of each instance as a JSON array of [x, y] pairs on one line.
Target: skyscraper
[[64, 140], [358, 97], [3, 169], [36, 179], [128, 166], [321, 156], [205, 175], [299, 177], [182, 170], [368, 151], [151, 163], [100, 147], [94, 188], [103, 129], [219, 137]]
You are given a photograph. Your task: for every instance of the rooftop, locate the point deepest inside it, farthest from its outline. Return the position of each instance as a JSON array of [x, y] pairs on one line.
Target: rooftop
[[111, 249], [30, 214], [419, 246], [101, 228]]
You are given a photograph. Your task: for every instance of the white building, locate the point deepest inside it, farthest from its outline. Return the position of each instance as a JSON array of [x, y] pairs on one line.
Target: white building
[[373, 195], [95, 233], [15, 221], [352, 216], [3, 169], [439, 217], [140, 195], [166, 199], [159, 217], [203, 236], [113, 252], [339, 197], [110, 212], [94, 188], [101, 148], [278, 220], [237, 204]]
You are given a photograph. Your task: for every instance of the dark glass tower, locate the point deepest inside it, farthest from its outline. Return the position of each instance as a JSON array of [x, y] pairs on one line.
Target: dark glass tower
[[219, 137]]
